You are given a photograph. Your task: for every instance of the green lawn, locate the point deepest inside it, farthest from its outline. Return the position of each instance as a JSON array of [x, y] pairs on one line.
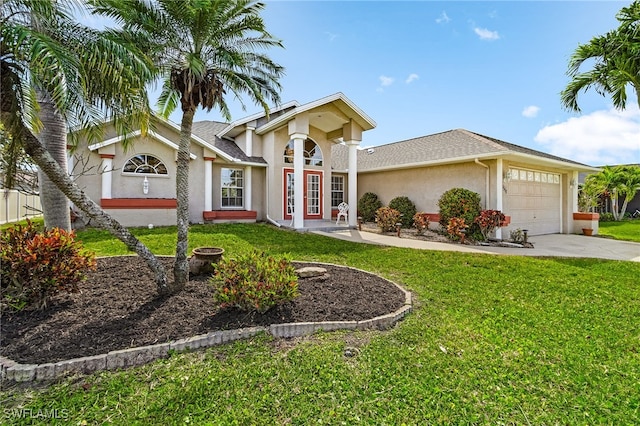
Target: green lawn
[[492, 340], [628, 230]]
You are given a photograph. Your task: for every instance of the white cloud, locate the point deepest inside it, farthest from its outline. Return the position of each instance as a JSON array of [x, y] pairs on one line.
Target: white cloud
[[531, 111], [486, 34], [412, 77], [443, 18], [599, 138], [386, 81]]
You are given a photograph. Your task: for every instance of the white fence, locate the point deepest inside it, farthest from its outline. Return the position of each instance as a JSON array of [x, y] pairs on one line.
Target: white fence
[[16, 205]]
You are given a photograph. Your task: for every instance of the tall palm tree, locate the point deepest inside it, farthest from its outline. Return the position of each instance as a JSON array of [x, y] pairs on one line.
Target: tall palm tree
[[616, 66], [205, 48], [68, 73]]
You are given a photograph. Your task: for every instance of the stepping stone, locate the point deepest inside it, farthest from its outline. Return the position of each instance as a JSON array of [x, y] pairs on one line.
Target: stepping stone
[[310, 271]]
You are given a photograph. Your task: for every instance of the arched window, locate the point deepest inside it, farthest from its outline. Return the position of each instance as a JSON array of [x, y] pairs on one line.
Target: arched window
[[145, 164], [312, 153]]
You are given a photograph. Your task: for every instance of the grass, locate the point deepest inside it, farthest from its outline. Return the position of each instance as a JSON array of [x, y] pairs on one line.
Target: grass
[[492, 340], [627, 230]]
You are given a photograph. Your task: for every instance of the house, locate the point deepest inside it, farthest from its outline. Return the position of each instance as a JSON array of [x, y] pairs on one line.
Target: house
[[537, 191], [248, 170], [241, 171]]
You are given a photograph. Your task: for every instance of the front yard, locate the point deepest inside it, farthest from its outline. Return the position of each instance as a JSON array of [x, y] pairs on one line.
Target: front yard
[[628, 230], [492, 340]]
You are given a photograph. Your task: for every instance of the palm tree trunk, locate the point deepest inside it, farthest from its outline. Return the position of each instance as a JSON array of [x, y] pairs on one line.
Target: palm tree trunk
[[55, 205], [181, 266], [63, 181]]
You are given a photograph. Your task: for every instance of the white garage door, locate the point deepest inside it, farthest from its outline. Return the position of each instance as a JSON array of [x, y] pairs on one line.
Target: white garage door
[[533, 201]]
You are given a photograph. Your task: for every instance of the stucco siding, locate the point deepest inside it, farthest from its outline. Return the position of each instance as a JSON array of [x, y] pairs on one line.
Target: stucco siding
[[423, 186]]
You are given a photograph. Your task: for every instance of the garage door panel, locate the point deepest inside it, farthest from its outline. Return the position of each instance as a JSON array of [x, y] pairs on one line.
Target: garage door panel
[[533, 204]]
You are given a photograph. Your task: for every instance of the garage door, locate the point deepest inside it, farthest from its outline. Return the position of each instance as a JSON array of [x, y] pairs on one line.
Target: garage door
[[533, 201]]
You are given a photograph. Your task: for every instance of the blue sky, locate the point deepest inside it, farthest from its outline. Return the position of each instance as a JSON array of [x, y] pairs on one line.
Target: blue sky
[[422, 67]]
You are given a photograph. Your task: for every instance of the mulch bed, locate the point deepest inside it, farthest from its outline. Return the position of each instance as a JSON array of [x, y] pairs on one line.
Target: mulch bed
[[117, 307]]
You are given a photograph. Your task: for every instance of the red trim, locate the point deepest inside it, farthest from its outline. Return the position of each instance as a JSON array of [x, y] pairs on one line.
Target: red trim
[[107, 156], [306, 173], [433, 217], [586, 216], [138, 203], [209, 158], [230, 215]]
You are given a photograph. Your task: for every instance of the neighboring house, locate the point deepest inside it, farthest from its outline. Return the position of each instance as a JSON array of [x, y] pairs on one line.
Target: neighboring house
[[247, 171]]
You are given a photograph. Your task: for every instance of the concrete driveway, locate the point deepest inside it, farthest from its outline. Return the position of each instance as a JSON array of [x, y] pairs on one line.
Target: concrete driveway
[[556, 245]]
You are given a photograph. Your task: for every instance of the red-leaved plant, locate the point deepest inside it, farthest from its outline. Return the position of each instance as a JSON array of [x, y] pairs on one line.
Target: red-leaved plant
[[488, 221], [35, 265], [456, 229], [387, 218], [421, 222]]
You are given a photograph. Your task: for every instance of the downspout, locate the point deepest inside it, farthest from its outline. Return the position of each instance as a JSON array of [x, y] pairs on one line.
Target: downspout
[[267, 201], [486, 183]]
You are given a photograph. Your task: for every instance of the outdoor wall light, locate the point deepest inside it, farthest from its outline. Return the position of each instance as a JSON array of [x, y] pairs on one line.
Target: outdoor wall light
[[145, 186], [572, 183], [507, 177]]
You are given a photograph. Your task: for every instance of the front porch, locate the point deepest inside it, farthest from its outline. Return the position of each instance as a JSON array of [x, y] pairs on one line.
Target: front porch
[[315, 225]]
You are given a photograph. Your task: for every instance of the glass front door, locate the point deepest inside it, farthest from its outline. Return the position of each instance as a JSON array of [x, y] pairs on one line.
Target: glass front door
[[312, 194]]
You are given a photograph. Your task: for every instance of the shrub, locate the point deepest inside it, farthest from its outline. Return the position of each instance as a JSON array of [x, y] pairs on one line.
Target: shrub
[[456, 229], [488, 221], [421, 222], [461, 203], [517, 236], [254, 282], [35, 265], [606, 217], [407, 209], [386, 218], [368, 205]]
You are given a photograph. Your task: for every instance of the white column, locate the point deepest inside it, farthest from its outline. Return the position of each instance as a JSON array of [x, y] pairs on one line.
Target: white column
[[247, 188], [249, 135], [353, 182], [499, 172], [106, 168], [298, 176], [208, 184]]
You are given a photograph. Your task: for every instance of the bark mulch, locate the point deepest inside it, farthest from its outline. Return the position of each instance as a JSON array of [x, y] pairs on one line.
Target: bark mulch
[[117, 307]]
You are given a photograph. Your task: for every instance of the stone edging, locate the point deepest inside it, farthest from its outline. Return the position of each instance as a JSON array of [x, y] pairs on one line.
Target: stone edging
[[13, 371]]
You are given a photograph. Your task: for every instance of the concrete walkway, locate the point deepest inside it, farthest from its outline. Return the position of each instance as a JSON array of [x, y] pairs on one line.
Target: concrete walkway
[[556, 245]]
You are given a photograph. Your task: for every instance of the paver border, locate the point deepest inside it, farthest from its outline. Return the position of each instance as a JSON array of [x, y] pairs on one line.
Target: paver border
[[125, 358]]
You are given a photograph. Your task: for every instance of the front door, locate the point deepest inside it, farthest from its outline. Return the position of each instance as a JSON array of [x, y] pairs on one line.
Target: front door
[[312, 194]]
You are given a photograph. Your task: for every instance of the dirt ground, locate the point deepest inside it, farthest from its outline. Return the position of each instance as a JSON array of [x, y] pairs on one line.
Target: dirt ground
[[117, 307]]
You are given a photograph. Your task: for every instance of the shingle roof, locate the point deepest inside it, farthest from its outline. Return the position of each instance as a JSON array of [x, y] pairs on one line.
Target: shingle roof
[[207, 131], [439, 147]]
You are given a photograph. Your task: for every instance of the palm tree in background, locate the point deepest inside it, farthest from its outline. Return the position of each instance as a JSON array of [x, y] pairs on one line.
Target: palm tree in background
[[204, 49], [617, 63], [615, 182], [57, 74]]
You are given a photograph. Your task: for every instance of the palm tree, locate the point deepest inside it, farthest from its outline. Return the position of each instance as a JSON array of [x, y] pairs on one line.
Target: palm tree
[[617, 63], [68, 74], [614, 182], [204, 48], [629, 185]]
